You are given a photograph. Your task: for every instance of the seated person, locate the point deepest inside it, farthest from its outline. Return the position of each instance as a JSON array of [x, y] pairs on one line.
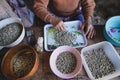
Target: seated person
[[58, 11]]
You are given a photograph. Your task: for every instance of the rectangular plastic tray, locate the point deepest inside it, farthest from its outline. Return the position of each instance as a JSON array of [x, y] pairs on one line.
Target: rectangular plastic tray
[[72, 26]]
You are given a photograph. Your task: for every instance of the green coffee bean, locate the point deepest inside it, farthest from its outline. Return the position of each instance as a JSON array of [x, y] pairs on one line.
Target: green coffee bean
[[66, 62], [10, 33], [98, 63]]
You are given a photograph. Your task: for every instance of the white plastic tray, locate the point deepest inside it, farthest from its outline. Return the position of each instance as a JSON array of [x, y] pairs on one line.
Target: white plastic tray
[[111, 54], [70, 26]]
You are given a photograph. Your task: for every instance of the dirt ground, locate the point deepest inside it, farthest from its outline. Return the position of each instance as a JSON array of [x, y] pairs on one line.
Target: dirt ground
[[105, 9]]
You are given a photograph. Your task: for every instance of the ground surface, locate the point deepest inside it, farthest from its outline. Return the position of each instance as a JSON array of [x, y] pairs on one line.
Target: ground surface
[[105, 9]]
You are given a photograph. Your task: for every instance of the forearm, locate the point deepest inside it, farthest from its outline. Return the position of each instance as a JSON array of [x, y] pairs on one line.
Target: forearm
[[88, 9], [88, 20], [40, 9]]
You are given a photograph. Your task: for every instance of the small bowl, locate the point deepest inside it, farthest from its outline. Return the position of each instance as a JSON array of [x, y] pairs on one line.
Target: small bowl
[[112, 30], [11, 62], [112, 55], [8, 21], [54, 57]]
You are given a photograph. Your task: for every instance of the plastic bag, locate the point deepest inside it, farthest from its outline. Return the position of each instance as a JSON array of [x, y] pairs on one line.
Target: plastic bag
[[23, 12]]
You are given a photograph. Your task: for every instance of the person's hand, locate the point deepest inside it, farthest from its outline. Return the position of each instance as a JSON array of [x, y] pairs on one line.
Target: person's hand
[[60, 26], [89, 29]]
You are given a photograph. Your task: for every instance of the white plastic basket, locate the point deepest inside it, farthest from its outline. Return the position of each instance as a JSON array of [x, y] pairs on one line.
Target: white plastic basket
[[111, 54]]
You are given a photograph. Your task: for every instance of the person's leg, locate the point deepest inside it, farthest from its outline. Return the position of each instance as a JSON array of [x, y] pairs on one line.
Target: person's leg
[[78, 16]]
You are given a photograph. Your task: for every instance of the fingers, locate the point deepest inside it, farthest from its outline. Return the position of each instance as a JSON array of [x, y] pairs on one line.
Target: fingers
[[90, 34], [60, 26], [82, 27], [90, 31]]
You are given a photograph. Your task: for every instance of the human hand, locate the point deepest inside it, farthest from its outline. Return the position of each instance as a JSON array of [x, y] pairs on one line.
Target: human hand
[[89, 29], [60, 26]]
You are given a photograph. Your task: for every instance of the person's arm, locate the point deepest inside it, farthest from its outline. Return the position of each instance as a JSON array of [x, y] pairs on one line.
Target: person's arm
[[88, 9], [40, 9]]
